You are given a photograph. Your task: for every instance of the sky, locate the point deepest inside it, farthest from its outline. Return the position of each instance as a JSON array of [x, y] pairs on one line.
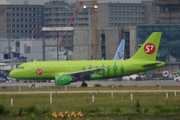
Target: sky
[[39, 2]]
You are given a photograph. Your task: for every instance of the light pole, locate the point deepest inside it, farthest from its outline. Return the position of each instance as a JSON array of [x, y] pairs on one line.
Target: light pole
[[9, 42], [90, 8]]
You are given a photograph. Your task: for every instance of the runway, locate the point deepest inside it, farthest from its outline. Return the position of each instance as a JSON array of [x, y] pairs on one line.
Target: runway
[[101, 82]]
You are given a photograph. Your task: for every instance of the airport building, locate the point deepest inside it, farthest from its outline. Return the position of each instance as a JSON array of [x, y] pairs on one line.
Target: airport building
[[132, 21]]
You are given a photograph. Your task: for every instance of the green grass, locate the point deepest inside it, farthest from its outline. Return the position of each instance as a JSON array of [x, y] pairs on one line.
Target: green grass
[[143, 105]]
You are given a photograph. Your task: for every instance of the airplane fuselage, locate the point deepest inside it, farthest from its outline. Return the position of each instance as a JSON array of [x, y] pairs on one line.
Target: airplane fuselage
[[47, 70]]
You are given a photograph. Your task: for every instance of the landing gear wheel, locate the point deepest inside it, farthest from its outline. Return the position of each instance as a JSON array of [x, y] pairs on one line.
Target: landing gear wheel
[[84, 84]]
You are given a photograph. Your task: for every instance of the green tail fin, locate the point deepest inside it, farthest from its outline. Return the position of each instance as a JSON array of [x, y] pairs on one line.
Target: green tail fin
[[148, 51]]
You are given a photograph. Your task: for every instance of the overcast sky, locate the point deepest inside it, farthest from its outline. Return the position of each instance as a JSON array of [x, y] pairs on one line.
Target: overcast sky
[[43, 1]]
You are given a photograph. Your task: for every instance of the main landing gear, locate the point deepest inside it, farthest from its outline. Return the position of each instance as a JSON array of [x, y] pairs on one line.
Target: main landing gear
[[84, 84]]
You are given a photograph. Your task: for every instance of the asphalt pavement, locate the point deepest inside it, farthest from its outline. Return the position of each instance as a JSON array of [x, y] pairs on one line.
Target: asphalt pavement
[[101, 82]]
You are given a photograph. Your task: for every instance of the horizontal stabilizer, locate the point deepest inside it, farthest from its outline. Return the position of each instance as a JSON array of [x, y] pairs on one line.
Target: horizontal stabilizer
[[152, 64]]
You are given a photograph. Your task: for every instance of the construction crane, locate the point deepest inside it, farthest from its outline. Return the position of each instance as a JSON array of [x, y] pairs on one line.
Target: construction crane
[[94, 31], [32, 34], [69, 23]]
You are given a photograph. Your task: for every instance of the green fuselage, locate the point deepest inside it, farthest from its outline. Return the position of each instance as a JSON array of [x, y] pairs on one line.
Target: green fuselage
[[112, 68]]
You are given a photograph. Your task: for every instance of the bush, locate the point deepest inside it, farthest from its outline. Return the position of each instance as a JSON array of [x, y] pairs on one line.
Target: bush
[[3, 110], [20, 111], [97, 85], [31, 109], [4, 87], [137, 106]]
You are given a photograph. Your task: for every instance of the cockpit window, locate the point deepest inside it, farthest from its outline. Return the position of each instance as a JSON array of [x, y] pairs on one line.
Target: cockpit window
[[20, 67]]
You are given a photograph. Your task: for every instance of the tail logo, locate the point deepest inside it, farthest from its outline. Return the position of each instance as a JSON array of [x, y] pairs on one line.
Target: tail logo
[[149, 48], [119, 54], [38, 71]]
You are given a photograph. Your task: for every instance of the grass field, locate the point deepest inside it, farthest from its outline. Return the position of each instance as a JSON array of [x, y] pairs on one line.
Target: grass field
[[105, 106]]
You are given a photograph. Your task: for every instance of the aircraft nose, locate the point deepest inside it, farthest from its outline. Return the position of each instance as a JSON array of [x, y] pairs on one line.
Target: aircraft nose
[[12, 74]]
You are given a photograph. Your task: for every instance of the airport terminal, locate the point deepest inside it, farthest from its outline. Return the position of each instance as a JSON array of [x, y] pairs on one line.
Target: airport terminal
[[31, 32]]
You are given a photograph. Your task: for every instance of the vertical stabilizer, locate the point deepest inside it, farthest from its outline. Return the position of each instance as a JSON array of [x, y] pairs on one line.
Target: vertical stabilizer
[[149, 49], [120, 51]]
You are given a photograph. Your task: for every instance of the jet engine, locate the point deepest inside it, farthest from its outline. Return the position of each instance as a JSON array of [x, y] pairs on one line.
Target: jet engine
[[63, 80]]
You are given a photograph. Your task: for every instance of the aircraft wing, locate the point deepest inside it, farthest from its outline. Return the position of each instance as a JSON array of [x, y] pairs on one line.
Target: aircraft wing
[[83, 74], [152, 64]]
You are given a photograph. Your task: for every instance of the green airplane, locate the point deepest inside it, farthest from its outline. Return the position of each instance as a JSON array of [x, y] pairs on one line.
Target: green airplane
[[66, 72]]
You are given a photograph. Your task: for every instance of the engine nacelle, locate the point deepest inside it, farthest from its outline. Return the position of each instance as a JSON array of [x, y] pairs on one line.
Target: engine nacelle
[[63, 80]]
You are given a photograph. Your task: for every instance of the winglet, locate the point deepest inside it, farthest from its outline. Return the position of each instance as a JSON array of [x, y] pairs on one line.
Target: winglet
[[148, 51], [120, 51]]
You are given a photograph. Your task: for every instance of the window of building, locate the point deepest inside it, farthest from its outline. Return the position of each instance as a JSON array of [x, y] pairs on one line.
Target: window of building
[[135, 13], [110, 24], [127, 19], [119, 13], [127, 24], [122, 8], [130, 7], [115, 13], [122, 18], [135, 19], [34, 9], [115, 18], [119, 7], [131, 24], [119, 19], [127, 13], [110, 13], [131, 13], [111, 18], [134, 8], [126, 7], [115, 24], [115, 7], [110, 7]]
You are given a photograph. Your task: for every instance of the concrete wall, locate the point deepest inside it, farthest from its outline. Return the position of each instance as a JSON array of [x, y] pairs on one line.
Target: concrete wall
[[103, 15], [112, 37], [81, 40], [133, 41]]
